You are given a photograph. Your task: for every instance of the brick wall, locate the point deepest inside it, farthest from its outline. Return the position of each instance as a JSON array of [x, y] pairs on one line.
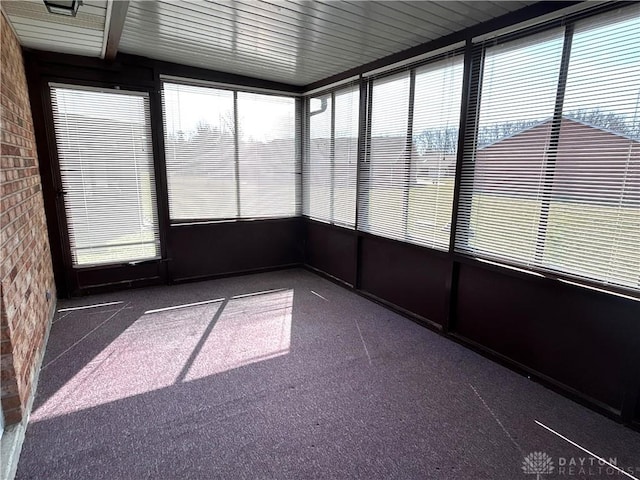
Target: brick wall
[[25, 259]]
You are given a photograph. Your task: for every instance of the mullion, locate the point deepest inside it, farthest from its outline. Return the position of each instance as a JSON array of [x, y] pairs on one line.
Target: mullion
[[332, 159], [407, 156], [554, 139], [301, 131], [467, 155], [236, 152], [468, 110], [364, 156]]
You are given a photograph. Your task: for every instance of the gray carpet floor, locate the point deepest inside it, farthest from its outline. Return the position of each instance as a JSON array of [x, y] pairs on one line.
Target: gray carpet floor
[[287, 375]]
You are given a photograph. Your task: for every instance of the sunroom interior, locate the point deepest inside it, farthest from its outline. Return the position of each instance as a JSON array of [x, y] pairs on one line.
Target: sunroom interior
[[320, 239]]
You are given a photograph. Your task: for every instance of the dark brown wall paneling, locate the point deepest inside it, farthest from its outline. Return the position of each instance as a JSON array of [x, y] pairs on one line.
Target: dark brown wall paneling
[[332, 250], [583, 339], [126, 70], [109, 277], [203, 250], [410, 277]]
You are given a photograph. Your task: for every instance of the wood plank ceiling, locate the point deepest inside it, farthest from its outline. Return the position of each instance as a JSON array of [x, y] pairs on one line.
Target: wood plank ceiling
[[297, 42]]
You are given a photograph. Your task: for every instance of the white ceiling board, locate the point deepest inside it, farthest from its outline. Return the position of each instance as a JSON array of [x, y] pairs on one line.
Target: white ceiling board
[[37, 28], [291, 41], [296, 42]]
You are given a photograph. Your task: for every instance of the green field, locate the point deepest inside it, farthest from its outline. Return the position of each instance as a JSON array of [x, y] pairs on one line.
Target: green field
[[428, 216]]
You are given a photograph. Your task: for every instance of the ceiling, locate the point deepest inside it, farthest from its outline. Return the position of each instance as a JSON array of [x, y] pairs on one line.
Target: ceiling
[[295, 42], [37, 28]]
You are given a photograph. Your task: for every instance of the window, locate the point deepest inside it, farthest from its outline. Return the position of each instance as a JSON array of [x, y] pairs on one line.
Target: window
[[591, 219], [409, 171], [436, 119], [331, 160], [230, 154], [385, 173], [199, 129], [502, 189], [104, 147], [269, 170], [552, 180]]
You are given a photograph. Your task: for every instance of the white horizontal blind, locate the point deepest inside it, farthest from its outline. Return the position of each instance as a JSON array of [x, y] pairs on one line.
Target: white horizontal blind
[[106, 164], [230, 154], [551, 180], [592, 217], [269, 169], [331, 159], [317, 177], [385, 172], [408, 176], [199, 138], [345, 165], [436, 119], [502, 181]]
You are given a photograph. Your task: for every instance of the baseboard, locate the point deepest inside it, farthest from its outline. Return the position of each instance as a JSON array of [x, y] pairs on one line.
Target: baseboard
[[13, 436], [328, 276], [414, 317], [545, 380], [236, 273]]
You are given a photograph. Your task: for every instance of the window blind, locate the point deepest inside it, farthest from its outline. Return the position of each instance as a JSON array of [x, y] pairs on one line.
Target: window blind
[[345, 165], [436, 119], [269, 170], [408, 175], [230, 154], [104, 145], [552, 168], [590, 220], [199, 138], [331, 158], [501, 188], [317, 177], [385, 173]]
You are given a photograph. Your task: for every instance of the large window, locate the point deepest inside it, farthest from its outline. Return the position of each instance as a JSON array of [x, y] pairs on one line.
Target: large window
[[502, 189], [331, 159], [269, 170], [436, 118], [104, 147], [385, 173], [230, 154], [553, 181], [408, 173]]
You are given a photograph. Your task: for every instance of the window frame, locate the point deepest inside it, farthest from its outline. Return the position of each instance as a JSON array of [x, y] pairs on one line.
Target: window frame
[[331, 93], [63, 231], [235, 89], [475, 58], [362, 204]]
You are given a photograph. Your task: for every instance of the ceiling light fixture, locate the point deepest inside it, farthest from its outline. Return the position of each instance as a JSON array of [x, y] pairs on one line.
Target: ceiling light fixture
[[63, 7]]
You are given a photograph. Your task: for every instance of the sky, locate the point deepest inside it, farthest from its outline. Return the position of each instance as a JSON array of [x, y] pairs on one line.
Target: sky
[[261, 117]]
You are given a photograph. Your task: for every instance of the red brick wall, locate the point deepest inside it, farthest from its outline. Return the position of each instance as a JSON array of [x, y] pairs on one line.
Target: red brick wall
[[25, 260]]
